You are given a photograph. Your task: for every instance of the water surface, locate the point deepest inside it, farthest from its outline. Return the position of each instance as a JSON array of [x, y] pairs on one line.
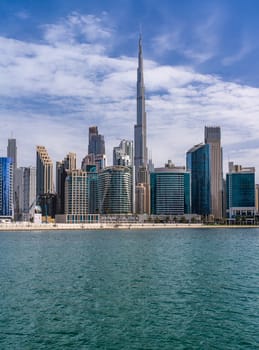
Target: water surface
[[159, 289]]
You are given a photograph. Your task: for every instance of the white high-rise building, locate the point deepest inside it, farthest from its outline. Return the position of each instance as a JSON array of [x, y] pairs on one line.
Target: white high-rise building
[[123, 154], [76, 196]]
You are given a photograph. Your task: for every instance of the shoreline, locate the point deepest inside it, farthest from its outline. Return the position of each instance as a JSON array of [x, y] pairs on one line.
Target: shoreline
[[110, 226]]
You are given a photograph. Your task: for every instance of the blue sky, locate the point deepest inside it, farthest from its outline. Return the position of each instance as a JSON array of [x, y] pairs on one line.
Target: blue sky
[[67, 65]]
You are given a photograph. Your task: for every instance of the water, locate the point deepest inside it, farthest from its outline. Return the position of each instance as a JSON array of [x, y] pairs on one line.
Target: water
[[163, 289]]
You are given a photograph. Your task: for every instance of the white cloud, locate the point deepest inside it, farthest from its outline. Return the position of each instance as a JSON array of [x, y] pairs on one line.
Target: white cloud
[[245, 49], [52, 91], [77, 27], [24, 15], [197, 41]]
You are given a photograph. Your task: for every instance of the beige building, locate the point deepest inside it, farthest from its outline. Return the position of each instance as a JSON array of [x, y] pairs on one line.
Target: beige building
[[44, 172], [76, 194], [142, 193]]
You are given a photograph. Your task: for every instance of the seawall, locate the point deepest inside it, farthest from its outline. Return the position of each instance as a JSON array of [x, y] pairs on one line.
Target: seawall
[[25, 226]]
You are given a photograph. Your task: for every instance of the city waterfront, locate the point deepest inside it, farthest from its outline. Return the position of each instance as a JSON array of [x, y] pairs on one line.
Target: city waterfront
[[130, 289]]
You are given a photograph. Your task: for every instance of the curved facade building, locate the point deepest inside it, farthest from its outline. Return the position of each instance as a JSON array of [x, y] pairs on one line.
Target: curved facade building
[[115, 190]]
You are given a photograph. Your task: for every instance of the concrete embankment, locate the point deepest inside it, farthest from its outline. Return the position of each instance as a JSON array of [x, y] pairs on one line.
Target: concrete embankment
[[108, 226]]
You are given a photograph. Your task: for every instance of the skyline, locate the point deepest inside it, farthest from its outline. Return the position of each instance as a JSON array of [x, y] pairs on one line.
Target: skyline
[[76, 66]]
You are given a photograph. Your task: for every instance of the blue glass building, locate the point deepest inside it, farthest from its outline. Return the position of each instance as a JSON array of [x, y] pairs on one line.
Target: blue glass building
[[92, 180], [170, 191], [198, 162], [6, 187], [240, 185]]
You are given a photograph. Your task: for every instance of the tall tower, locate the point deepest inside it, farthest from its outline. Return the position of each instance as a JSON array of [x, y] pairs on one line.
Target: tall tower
[[96, 150], [115, 190], [142, 193], [213, 137], [6, 187], [140, 130], [198, 163], [29, 192], [12, 152], [44, 172], [241, 189], [76, 194], [62, 169], [96, 141], [123, 154], [170, 190]]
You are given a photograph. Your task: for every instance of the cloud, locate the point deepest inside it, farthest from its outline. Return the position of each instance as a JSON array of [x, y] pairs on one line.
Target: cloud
[[23, 15], [197, 41], [53, 90], [245, 49], [79, 28]]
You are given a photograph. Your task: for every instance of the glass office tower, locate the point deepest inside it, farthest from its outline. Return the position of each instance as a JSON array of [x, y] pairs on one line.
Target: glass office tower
[[240, 184], [198, 162], [170, 191], [6, 187], [115, 190]]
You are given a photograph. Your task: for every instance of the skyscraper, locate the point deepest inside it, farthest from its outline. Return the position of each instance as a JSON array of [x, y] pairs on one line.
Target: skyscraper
[[46, 198], [241, 191], [76, 196], [92, 180], [198, 162], [18, 193], [62, 169], [44, 172], [96, 150], [140, 130], [213, 138], [123, 154], [96, 143], [6, 188], [115, 190], [29, 192], [12, 152], [140, 143], [170, 191]]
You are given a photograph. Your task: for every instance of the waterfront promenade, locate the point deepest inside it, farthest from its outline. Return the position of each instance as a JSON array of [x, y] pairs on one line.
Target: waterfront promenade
[[26, 226]]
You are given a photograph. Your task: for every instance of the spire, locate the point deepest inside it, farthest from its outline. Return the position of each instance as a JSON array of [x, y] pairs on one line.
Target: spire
[[140, 127], [140, 78], [140, 58]]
